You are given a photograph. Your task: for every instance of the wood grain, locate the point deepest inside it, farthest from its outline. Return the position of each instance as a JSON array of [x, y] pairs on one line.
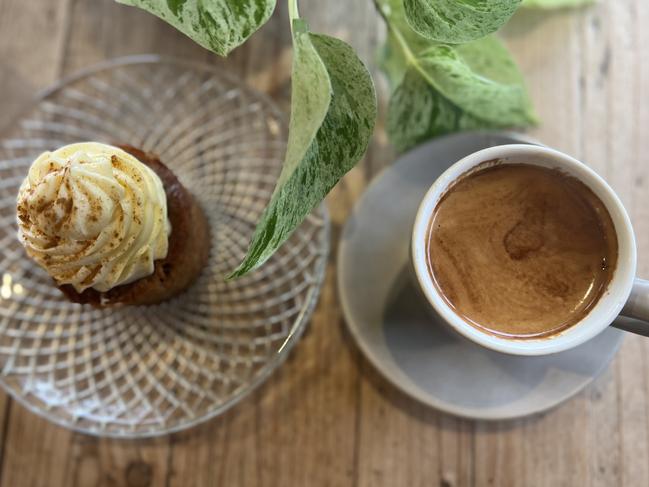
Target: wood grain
[[326, 418]]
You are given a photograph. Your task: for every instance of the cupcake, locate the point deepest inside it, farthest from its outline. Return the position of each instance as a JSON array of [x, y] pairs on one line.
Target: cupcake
[[111, 225]]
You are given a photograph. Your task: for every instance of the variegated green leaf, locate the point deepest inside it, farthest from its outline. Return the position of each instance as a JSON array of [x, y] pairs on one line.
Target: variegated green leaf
[[217, 25], [418, 112], [481, 78], [440, 88], [456, 21], [332, 119]]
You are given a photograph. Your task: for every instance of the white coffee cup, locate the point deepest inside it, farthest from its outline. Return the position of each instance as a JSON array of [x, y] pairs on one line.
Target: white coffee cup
[[625, 294]]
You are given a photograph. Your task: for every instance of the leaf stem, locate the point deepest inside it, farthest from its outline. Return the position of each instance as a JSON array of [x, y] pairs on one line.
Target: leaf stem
[[411, 58], [409, 55], [293, 11]]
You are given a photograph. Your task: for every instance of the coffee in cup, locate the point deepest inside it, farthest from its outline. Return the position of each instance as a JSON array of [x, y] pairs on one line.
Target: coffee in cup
[[529, 260], [521, 251]]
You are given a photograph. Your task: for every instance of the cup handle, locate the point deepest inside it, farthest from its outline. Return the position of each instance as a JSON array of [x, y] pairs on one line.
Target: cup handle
[[635, 314]]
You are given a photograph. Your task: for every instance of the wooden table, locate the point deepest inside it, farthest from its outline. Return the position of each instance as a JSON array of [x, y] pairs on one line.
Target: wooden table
[[326, 418]]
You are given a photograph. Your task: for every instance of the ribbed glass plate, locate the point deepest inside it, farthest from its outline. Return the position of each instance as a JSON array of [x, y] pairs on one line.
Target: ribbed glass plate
[[145, 371]]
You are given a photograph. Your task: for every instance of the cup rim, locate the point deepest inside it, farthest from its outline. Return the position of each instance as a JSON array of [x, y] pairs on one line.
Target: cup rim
[[608, 306]]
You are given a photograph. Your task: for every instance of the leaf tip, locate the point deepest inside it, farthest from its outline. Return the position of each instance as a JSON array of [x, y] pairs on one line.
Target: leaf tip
[[533, 118], [240, 271]]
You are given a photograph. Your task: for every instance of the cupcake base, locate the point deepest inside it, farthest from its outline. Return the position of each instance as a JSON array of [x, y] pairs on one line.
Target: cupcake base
[[188, 249]]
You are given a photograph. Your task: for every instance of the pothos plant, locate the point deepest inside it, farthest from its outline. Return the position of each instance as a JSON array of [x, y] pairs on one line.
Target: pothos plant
[[446, 70]]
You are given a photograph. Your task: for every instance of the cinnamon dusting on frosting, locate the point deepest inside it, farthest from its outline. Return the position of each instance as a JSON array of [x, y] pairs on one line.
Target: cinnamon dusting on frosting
[[93, 216]]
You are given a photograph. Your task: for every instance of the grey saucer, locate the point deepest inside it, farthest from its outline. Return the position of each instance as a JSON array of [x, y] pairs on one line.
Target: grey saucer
[[390, 322]]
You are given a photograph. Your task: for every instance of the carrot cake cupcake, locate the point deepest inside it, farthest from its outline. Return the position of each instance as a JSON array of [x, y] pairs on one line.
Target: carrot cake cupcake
[[111, 225]]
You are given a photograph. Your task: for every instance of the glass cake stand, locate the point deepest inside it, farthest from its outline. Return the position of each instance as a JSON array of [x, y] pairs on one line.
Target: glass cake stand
[[134, 372]]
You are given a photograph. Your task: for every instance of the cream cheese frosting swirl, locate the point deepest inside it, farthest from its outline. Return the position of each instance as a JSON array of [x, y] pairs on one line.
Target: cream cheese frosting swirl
[[93, 216]]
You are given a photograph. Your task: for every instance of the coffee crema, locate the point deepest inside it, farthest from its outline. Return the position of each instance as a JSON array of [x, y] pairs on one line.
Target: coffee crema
[[521, 251]]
